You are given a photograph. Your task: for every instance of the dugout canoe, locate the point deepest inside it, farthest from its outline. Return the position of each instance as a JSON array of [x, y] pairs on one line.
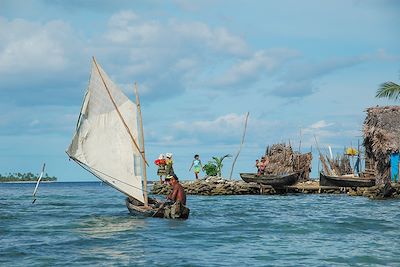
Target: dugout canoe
[[345, 181], [272, 180]]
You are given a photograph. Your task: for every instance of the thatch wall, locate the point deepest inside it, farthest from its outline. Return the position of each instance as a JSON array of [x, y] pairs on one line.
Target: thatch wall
[[382, 137], [282, 159], [279, 158], [302, 164]]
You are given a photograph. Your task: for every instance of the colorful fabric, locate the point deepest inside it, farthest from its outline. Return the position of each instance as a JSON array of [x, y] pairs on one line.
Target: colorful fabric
[[196, 165], [196, 169], [161, 171], [394, 165], [351, 151], [169, 169]]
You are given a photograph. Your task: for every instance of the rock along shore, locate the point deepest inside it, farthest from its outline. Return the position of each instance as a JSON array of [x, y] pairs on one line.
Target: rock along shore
[[214, 186]]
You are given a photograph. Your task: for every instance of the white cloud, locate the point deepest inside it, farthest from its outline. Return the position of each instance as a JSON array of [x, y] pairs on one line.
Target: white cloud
[[133, 34], [320, 124], [299, 78], [174, 54], [249, 69], [226, 123], [34, 122], [127, 28], [217, 39], [122, 19], [320, 130], [34, 47]]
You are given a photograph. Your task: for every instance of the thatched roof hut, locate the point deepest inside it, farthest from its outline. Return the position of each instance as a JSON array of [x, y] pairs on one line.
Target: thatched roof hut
[[382, 137], [282, 159]]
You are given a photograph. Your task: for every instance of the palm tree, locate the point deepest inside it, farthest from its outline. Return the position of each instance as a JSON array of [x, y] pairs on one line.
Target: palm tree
[[218, 163], [389, 90]]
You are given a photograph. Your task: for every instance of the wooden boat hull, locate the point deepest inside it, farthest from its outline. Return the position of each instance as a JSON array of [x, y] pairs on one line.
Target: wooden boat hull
[[343, 181], [272, 180], [157, 209]]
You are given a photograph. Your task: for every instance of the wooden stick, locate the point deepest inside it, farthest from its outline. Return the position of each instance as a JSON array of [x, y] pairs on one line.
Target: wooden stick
[[358, 157], [139, 111], [241, 144], [299, 156], [37, 183], [322, 159], [119, 113]]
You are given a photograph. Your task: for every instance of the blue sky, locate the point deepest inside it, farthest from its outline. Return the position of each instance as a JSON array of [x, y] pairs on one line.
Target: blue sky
[[200, 66]]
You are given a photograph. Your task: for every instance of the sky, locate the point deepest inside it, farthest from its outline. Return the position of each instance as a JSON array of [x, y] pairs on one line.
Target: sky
[[300, 68]]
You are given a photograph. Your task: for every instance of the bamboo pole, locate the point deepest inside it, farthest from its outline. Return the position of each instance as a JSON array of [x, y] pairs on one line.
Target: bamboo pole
[[119, 113], [241, 144], [322, 159], [298, 163], [139, 111], [358, 157]]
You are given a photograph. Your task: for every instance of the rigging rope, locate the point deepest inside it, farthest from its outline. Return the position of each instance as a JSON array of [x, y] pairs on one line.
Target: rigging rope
[[89, 169]]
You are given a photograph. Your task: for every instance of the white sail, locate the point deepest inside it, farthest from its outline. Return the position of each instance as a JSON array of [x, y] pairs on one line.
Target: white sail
[[102, 143]]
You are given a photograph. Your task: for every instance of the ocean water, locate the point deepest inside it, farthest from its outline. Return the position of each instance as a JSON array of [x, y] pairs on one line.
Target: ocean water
[[87, 224]]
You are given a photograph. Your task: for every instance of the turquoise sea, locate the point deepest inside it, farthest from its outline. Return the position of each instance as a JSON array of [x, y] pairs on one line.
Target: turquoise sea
[[87, 224]]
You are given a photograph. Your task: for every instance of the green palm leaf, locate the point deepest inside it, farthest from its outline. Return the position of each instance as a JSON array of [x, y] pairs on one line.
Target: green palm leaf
[[218, 163], [389, 90]]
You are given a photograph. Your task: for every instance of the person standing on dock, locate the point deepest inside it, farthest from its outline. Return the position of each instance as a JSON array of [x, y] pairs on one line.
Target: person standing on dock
[[261, 166], [257, 165], [169, 169], [197, 166], [160, 162]]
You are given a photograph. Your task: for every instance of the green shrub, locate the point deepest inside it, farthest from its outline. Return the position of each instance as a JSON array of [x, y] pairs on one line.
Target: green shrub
[[211, 169]]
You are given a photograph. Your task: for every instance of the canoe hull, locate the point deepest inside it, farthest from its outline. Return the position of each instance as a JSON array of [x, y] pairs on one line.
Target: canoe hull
[[343, 181], [157, 209], [272, 180]]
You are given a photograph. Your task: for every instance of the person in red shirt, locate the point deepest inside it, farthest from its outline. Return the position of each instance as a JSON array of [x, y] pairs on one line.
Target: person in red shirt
[[161, 171]]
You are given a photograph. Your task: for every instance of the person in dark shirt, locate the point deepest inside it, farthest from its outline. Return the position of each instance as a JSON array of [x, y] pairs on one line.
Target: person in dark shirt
[[178, 193]]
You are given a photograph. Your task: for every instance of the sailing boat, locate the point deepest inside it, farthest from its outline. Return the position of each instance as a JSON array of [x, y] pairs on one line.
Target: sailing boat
[[106, 144]]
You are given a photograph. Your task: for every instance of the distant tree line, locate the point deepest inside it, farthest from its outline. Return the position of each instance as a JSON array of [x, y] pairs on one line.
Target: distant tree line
[[24, 177]]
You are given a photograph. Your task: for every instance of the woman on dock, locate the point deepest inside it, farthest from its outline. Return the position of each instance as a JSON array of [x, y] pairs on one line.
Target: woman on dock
[[169, 169], [161, 171], [197, 166]]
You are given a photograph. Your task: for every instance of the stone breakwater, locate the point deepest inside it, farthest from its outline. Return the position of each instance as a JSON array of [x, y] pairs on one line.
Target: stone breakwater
[[377, 192], [213, 186]]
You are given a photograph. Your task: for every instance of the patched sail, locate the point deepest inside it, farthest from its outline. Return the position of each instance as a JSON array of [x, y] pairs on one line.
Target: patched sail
[[102, 143]]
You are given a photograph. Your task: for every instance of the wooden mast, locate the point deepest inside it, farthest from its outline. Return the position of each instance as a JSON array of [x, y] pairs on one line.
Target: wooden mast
[[241, 144], [119, 113], [141, 134]]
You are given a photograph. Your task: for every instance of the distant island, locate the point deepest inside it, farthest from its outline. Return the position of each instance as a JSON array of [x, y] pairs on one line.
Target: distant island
[[25, 177]]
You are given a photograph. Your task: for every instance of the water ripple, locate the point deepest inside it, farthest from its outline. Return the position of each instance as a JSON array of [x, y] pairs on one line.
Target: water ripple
[[86, 224]]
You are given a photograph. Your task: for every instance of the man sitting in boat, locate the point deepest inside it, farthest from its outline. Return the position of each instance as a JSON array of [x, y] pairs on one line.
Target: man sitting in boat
[[176, 209], [178, 193]]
